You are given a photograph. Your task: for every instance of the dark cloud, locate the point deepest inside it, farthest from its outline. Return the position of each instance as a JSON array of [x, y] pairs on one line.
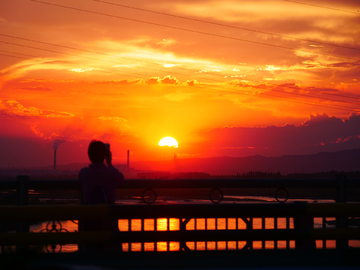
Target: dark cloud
[[319, 133]]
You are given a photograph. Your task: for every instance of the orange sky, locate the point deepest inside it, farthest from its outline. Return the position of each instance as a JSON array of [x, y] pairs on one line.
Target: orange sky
[[212, 74]]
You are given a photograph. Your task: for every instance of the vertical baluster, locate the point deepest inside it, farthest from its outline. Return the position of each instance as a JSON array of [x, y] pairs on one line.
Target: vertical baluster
[[168, 229], [341, 197], [227, 228], [275, 228], [287, 228], [263, 228], [130, 229], [216, 227], [142, 229], [324, 227], [251, 227]]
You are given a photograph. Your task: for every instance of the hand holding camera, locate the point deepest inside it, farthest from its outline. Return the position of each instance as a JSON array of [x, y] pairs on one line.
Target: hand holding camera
[[108, 157]]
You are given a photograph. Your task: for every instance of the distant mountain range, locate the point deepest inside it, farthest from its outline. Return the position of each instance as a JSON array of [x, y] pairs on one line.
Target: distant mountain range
[[347, 160]]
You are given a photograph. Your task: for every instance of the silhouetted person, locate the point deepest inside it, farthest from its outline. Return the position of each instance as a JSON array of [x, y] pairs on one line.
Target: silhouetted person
[[98, 177], [99, 183]]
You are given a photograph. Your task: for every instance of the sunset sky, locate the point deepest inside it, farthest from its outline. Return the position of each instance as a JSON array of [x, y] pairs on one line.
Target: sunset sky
[[224, 78]]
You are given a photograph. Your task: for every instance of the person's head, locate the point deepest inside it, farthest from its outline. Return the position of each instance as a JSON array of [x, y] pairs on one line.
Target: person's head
[[97, 151]]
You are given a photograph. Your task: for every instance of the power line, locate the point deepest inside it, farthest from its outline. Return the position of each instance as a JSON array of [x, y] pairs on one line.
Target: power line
[[307, 96], [99, 53], [138, 60], [86, 57], [19, 53], [19, 57], [193, 31], [226, 25], [127, 74], [268, 96], [324, 98], [263, 95], [319, 91], [312, 104], [319, 6]]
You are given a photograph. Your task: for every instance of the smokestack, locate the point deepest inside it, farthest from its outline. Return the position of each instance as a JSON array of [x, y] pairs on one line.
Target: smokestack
[[54, 159], [128, 159], [57, 142]]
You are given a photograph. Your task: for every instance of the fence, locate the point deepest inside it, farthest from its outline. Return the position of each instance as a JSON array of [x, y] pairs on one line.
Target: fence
[[299, 231], [302, 231], [340, 184]]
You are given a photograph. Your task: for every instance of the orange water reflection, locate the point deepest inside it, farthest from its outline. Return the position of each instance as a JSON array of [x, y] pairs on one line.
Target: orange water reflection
[[173, 224]]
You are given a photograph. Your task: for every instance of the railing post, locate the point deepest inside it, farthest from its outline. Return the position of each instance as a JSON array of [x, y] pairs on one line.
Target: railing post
[[183, 245], [303, 221], [22, 200], [341, 197], [341, 188]]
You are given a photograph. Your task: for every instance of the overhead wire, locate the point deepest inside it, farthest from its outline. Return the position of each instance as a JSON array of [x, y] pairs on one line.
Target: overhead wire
[[262, 95], [132, 74], [14, 56], [320, 6], [117, 63], [226, 25], [266, 95], [194, 31], [86, 57], [104, 54], [95, 52]]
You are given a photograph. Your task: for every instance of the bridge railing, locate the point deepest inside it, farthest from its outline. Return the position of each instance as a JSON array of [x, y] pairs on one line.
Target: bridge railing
[[299, 231], [299, 228], [215, 186]]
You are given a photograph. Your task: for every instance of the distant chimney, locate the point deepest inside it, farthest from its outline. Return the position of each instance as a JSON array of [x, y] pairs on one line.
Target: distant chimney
[[56, 144], [128, 159]]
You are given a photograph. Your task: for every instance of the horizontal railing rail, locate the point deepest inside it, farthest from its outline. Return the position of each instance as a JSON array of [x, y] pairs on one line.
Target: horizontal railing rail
[[191, 183], [340, 184], [301, 213], [142, 211]]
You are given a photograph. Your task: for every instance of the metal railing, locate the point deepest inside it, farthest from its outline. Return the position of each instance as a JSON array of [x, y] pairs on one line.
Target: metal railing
[[340, 184], [301, 214]]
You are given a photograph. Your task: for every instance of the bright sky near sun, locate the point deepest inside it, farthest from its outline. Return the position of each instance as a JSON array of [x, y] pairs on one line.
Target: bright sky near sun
[[228, 77]]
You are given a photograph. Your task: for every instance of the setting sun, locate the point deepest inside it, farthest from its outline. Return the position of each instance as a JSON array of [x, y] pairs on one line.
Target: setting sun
[[168, 141]]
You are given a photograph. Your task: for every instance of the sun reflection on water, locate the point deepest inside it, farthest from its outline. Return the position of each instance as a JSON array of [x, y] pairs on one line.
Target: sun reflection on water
[[173, 224]]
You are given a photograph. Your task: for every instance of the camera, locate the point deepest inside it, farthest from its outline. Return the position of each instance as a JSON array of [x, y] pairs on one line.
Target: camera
[[107, 147]]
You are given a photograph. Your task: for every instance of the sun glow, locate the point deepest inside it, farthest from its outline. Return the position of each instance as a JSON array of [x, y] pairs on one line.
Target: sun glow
[[169, 141]]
